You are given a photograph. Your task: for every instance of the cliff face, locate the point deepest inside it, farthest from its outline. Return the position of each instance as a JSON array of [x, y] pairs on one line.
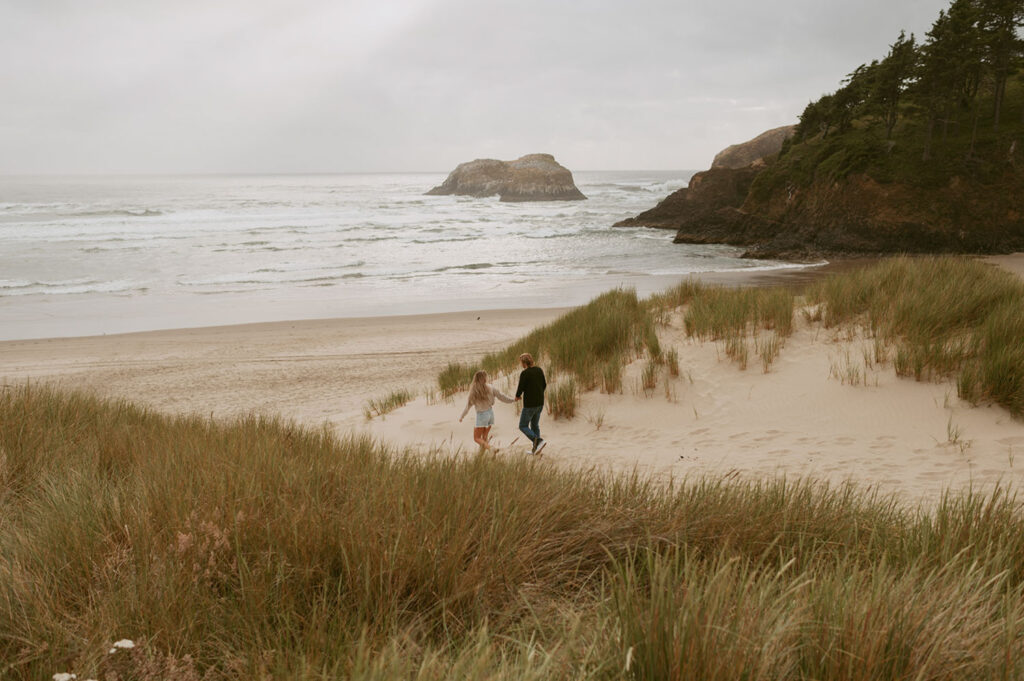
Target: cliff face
[[711, 198], [765, 145], [765, 208], [534, 177], [860, 215]]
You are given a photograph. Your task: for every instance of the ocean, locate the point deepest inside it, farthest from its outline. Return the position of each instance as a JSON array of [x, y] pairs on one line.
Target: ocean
[[99, 255]]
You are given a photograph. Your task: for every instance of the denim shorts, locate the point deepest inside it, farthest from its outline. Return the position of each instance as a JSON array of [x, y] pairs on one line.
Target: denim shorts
[[485, 418]]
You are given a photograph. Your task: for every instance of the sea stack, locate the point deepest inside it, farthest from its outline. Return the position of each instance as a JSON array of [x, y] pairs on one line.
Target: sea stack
[[534, 177]]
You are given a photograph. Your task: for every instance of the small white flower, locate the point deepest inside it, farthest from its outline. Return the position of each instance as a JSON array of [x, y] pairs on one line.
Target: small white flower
[[64, 676], [124, 643]]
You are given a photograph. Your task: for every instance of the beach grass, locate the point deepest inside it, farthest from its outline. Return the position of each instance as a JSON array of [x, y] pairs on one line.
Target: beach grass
[[611, 376], [584, 341], [379, 406], [563, 399], [672, 362], [254, 548], [455, 378], [944, 317], [593, 342], [718, 312]]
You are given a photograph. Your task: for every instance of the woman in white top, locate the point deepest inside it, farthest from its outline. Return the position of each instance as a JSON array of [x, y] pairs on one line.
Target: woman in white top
[[482, 396]]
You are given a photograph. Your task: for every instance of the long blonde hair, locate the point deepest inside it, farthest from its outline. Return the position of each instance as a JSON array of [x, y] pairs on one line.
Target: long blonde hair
[[479, 391]]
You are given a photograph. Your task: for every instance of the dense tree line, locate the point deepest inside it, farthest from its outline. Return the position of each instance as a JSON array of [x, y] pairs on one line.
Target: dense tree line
[[964, 64]]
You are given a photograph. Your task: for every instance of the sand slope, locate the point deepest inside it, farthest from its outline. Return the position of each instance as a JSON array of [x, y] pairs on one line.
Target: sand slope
[[801, 418]]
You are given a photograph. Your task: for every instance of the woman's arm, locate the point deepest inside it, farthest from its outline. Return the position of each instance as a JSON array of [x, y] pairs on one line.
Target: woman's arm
[[502, 396], [469, 403]]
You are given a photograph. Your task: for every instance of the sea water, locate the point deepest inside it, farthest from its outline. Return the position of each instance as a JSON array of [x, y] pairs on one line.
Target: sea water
[[95, 255]]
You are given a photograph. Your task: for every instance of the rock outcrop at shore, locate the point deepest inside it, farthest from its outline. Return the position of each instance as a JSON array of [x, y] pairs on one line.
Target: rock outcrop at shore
[[772, 214], [534, 177], [712, 198], [764, 146]]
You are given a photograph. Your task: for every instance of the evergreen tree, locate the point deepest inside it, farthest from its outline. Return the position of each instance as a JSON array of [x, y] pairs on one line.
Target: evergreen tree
[[888, 80], [949, 67], [999, 21]]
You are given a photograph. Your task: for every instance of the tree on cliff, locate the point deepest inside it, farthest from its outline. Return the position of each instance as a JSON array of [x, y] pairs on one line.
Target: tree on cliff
[[889, 81], [949, 68], [999, 21], [974, 46]]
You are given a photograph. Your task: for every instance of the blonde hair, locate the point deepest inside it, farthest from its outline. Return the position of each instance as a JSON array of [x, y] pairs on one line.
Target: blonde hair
[[527, 359], [479, 391]]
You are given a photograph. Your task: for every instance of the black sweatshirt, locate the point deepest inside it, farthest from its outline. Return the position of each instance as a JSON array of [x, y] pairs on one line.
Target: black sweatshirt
[[531, 387]]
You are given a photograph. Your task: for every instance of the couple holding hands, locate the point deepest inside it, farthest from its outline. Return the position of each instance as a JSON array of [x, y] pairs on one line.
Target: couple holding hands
[[531, 389]]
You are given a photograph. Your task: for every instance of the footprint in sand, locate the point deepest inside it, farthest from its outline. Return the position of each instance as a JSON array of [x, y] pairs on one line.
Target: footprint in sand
[[844, 441], [699, 431], [772, 434]]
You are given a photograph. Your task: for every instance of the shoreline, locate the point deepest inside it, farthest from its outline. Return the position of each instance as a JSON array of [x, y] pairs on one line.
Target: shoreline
[[797, 420], [312, 311]]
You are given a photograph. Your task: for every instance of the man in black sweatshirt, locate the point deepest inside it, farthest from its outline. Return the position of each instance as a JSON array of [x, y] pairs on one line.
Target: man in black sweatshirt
[[531, 389]]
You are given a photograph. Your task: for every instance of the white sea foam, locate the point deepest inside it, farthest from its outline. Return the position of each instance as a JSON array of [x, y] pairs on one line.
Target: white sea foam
[[262, 248]]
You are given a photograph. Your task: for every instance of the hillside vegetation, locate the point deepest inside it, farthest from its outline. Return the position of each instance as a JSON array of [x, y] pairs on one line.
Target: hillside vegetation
[[931, 134], [919, 151]]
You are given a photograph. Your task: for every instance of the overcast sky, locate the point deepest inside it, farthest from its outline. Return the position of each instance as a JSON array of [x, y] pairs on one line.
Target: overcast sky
[[263, 86]]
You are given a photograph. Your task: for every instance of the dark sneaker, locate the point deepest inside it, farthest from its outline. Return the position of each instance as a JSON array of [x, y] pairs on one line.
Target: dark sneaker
[[540, 445]]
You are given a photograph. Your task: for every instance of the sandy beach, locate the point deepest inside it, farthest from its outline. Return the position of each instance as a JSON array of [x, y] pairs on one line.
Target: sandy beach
[[801, 418]]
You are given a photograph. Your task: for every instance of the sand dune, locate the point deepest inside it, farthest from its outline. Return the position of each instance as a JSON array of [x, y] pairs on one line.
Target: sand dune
[[803, 417]]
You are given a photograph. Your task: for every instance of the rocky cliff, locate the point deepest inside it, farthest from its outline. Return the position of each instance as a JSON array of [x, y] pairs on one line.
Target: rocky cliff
[[860, 215], [710, 199], [534, 177], [764, 146], [783, 210]]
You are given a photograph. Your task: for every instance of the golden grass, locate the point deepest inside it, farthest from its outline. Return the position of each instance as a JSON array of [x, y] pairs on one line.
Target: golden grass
[[258, 549], [379, 406], [944, 316]]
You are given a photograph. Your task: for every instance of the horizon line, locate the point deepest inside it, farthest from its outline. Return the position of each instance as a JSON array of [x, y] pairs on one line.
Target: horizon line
[[54, 174]]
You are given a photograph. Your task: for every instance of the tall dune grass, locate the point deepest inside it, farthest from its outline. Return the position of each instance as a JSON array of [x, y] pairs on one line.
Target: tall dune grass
[[258, 549], [379, 406], [583, 341], [946, 316], [718, 313], [455, 378]]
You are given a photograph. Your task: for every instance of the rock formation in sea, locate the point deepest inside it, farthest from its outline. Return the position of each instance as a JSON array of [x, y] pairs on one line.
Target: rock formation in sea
[[765, 145], [534, 177]]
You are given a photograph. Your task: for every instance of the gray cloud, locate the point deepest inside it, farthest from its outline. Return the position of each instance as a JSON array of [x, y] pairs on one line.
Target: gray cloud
[[371, 85]]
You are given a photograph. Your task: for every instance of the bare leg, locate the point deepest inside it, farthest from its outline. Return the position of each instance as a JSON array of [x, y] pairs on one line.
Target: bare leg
[[480, 436]]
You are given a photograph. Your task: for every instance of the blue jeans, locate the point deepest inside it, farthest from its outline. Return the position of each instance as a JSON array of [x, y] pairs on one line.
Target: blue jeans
[[529, 422]]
